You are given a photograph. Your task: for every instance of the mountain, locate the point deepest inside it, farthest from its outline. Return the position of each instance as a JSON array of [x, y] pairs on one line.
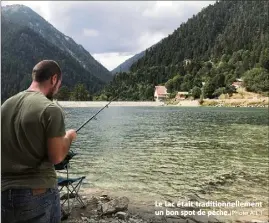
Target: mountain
[[27, 38], [223, 42], [126, 65], [222, 28]]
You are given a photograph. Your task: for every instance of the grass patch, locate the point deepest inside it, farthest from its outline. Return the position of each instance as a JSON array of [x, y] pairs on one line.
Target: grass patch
[[209, 103]]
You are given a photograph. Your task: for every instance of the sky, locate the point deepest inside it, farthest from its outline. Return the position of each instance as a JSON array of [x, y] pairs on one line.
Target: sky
[[114, 31]]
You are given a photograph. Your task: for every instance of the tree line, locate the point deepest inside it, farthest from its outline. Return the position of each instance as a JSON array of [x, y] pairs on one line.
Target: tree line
[[224, 42]]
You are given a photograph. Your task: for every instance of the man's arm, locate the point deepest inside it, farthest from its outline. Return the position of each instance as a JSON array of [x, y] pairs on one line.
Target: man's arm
[[57, 140], [58, 147]]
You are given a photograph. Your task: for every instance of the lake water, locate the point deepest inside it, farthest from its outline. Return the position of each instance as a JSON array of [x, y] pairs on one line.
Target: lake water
[[156, 153]]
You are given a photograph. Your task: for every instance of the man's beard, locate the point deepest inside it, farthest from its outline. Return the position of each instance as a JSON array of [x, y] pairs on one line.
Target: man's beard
[[51, 94]]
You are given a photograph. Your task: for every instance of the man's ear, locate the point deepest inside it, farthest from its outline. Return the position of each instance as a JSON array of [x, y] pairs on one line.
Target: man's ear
[[54, 79]]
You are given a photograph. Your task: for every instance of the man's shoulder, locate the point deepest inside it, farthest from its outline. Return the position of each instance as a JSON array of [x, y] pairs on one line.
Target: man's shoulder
[[52, 109], [35, 101], [27, 95], [11, 101]]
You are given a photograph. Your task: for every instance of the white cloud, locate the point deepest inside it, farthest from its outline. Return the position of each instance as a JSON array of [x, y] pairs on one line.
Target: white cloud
[[90, 32], [160, 9], [111, 60], [148, 39]]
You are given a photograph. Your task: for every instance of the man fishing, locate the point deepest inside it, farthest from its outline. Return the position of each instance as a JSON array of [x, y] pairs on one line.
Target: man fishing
[[33, 140]]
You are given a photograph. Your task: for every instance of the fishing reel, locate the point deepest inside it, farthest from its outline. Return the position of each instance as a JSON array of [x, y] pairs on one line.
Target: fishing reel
[[65, 162]]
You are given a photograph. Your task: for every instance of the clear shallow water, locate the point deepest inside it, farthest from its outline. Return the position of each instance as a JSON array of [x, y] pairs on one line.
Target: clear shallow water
[[156, 153]]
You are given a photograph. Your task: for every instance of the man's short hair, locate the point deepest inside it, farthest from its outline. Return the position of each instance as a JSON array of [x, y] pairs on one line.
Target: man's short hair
[[45, 69]]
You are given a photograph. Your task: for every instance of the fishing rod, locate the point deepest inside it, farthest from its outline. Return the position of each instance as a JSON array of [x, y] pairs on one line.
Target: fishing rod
[[106, 106]]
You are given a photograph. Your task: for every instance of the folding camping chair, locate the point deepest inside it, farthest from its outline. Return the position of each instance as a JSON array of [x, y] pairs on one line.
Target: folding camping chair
[[70, 186]]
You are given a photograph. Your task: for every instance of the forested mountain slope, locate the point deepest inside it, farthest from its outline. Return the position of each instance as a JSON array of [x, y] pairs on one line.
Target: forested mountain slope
[[224, 41], [27, 38], [126, 65]]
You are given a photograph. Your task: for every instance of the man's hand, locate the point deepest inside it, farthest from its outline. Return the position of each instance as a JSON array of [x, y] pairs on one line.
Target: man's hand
[[71, 134], [58, 147]]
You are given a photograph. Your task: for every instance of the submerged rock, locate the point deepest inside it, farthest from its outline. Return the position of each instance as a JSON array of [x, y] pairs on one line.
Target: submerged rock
[[115, 205], [122, 215]]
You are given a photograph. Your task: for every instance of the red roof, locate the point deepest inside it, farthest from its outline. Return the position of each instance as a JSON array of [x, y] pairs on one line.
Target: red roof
[[237, 83], [161, 90], [182, 94]]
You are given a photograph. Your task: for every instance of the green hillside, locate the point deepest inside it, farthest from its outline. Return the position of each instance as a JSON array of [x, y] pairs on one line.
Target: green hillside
[[225, 41]]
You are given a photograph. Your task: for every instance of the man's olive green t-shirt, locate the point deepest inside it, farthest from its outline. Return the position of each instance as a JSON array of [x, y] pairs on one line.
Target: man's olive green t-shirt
[[28, 119]]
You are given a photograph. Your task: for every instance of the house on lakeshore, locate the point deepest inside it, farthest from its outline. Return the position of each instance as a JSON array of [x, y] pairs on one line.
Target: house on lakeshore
[[181, 95], [187, 61], [160, 93], [238, 83]]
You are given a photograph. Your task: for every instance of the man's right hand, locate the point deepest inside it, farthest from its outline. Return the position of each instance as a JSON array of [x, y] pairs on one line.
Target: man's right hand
[[71, 134], [58, 147]]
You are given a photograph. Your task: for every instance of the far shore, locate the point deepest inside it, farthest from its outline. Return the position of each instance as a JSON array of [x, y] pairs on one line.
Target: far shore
[[114, 103], [181, 103], [184, 103]]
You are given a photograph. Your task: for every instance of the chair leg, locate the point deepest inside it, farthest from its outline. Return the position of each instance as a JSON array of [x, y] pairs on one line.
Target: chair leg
[[79, 199], [64, 215], [72, 192]]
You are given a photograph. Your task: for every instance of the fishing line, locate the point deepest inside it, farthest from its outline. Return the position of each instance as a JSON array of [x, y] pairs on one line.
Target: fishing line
[[93, 117]]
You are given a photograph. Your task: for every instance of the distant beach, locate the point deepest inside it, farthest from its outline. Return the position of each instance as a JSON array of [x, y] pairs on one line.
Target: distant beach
[[114, 103], [123, 103], [260, 102]]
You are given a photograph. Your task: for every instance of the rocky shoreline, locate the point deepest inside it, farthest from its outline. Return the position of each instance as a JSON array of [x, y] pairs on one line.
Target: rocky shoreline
[[250, 103], [106, 209], [103, 209]]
